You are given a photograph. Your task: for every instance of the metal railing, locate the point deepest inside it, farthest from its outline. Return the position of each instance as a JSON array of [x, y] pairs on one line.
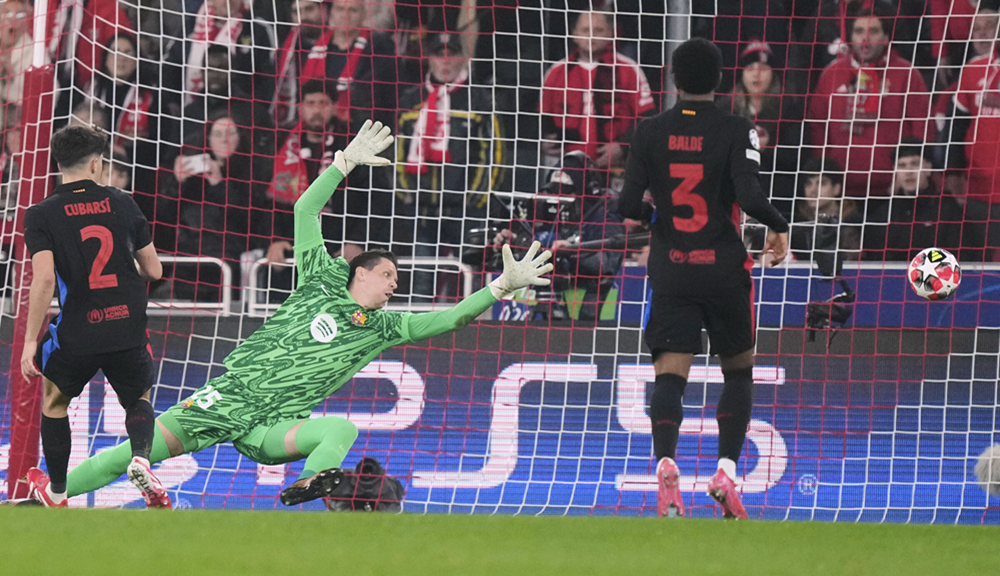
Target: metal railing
[[161, 307]]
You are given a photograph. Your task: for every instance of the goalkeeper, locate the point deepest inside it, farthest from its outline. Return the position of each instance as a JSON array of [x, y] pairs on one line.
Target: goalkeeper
[[327, 330]]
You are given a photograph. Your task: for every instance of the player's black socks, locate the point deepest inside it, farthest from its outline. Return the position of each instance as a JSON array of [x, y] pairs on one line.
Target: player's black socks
[[139, 422], [733, 413], [666, 413], [57, 441]]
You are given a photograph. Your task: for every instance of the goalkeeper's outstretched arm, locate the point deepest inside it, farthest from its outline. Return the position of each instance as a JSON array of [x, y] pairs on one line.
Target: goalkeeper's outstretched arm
[[371, 140], [516, 275]]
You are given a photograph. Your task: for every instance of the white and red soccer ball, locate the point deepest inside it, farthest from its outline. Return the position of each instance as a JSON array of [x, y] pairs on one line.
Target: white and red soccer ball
[[934, 274]]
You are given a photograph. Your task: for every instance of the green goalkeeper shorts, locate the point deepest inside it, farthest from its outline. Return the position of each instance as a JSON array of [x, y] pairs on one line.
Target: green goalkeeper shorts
[[221, 411]]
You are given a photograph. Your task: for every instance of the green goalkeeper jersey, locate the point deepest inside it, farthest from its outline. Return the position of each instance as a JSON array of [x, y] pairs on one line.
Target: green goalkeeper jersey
[[321, 337]]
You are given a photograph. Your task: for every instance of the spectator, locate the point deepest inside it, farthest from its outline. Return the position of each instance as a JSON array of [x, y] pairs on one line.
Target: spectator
[[15, 50], [117, 172], [592, 100], [9, 173], [915, 216], [213, 208], [306, 151], [984, 32], [83, 29], [295, 64], [974, 146], [758, 97], [951, 23], [826, 227], [451, 155], [582, 211], [362, 61], [219, 92], [90, 113], [250, 42], [9, 177], [866, 102]]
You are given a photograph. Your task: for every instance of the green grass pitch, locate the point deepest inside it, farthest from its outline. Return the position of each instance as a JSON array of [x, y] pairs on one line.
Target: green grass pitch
[[113, 542]]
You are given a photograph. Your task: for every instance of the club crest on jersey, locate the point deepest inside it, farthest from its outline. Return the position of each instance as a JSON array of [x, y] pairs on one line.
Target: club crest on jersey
[[323, 328], [754, 140], [359, 318]]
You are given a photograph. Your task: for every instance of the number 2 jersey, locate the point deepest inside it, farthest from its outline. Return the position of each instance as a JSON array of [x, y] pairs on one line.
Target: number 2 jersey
[[93, 232], [701, 165]]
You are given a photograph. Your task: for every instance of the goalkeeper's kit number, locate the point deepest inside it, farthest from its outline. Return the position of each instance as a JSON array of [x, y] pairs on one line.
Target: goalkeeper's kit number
[[205, 397]]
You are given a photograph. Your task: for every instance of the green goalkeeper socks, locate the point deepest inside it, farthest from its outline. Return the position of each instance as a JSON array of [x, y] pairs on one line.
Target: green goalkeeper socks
[[106, 466], [325, 442]]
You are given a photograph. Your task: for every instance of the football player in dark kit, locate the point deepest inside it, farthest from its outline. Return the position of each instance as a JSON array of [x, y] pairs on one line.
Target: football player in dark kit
[[700, 165], [94, 245]]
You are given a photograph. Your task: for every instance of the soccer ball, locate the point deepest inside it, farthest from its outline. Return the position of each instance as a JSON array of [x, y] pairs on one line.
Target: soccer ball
[[934, 274], [988, 470]]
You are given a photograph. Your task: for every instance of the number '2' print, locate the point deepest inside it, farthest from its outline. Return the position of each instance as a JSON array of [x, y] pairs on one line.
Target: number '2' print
[[97, 279]]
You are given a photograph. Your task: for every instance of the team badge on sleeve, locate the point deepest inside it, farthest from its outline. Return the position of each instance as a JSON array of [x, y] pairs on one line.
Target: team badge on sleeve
[[754, 140]]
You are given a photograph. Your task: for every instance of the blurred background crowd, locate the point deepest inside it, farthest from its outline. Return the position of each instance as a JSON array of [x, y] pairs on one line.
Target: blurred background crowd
[[879, 124]]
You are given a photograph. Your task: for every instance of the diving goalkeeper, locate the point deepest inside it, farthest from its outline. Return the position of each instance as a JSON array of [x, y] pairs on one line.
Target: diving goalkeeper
[[329, 328]]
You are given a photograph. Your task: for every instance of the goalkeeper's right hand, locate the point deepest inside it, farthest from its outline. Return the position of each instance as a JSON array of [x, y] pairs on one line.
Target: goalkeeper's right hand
[[371, 140], [527, 272]]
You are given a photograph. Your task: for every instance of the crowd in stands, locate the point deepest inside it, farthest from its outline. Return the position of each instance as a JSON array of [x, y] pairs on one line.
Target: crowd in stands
[[878, 121]]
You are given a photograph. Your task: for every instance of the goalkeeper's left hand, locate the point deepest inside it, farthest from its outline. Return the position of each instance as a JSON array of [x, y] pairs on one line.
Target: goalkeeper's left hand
[[365, 148], [527, 272]]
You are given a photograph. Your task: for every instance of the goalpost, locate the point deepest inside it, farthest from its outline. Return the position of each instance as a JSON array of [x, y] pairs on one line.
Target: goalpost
[[522, 412]]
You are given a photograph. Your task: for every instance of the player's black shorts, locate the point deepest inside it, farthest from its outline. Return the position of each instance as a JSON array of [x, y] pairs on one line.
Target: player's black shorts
[[726, 312], [130, 372]]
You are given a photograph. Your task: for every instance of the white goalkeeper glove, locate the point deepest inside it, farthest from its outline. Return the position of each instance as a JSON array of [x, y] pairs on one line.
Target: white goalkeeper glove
[[371, 140], [527, 272]]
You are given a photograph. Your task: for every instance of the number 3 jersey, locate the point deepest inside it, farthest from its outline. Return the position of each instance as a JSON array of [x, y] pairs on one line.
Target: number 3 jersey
[[93, 233], [701, 165]]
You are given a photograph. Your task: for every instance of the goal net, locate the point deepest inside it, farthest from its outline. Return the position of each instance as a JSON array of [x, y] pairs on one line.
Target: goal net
[[512, 123]]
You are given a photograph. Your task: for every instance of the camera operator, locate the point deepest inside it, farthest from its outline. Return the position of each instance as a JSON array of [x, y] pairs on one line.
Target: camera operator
[[576, 217]]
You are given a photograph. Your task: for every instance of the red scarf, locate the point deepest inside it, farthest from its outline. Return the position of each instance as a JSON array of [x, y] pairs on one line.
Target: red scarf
[[433, 127], [134, 121], [347, 75], [868, 85], [291, 177], [286, 94], [209, 30]]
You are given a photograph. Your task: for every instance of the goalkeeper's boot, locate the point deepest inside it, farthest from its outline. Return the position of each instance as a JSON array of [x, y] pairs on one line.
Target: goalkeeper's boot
[[39, 489], [320, 485], [143, 478], [723, 489], [669, 502]]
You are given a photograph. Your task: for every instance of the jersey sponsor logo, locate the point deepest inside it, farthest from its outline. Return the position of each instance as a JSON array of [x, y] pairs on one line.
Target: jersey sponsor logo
[[685, 143], [323, 328], [97, 315], [692, 257], [359, 318], [84, 208], [754, 139]]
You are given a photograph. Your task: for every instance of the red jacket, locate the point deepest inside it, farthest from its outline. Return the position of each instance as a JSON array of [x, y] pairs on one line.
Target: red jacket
[[979, 96], [860, 116], [594, 109], [951, 24], [101, 20]]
